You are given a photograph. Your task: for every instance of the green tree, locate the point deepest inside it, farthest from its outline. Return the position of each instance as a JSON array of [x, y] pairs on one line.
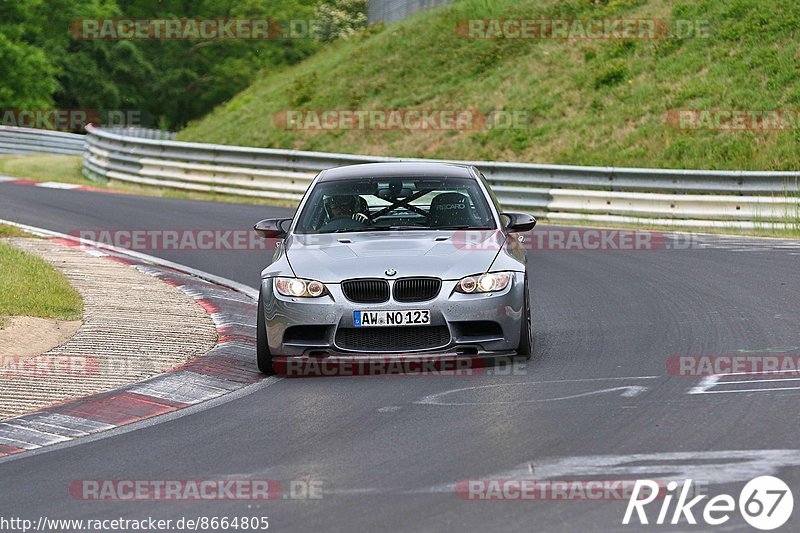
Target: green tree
[[170, 81], [28, 75], [338, 19]]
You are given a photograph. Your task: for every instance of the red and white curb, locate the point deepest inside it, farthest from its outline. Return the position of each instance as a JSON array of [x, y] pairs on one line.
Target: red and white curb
[[227, 367], [54, 185]]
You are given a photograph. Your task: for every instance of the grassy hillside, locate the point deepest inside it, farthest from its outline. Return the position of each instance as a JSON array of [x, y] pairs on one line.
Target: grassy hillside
[[590, 102]]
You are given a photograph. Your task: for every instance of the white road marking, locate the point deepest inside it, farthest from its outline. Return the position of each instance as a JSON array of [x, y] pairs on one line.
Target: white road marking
[[580, 380], [436, 399], [712, 467], [749, 390], [786, 349], [389, 409], [706, 383], [715, 380], [757, 381], [708, 467], [56, 185]]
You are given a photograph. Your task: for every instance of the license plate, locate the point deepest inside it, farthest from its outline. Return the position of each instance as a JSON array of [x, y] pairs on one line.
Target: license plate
[[414, 317]]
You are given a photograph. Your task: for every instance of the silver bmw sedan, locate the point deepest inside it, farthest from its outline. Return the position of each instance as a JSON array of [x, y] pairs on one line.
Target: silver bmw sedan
[[395, 259]]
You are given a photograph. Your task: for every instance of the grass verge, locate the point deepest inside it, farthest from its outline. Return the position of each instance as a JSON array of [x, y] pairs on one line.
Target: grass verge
[[44, 167], [13, 231], [30, 286]]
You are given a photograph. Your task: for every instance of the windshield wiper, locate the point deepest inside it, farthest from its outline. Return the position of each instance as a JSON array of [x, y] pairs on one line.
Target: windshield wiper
[[455, 228], [380, 228], [364, 229], [350, 230]]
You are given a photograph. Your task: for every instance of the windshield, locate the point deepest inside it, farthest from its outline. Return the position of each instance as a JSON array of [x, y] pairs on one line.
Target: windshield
[[383, 204]]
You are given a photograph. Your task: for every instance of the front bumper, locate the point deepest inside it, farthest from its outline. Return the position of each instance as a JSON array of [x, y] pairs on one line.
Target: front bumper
[[482, 324]]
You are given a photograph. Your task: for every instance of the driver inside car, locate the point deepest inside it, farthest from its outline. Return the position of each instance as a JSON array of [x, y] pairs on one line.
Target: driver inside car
[[346, 206]]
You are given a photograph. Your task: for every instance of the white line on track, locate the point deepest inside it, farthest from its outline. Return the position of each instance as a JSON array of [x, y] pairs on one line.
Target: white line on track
[[747, 390], [57, 185], [629, 391], [706, 383], [757, 381], [715, 380]]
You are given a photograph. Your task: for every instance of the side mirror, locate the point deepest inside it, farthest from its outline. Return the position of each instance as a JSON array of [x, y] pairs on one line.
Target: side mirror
[[271, 228], [519, 222]]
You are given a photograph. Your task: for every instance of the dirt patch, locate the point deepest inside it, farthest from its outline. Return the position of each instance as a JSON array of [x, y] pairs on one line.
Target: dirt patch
[[24, 336]]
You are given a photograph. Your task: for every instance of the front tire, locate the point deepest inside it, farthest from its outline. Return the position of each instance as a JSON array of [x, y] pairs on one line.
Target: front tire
[[526, 342], [263, 355]]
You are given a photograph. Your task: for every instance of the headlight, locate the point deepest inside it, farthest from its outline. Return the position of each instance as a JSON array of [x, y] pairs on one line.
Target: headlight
[[301, 288], [493, 281]]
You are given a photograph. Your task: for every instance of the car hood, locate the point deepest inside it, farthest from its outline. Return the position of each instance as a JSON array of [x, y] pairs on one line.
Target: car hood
[[330, 258]]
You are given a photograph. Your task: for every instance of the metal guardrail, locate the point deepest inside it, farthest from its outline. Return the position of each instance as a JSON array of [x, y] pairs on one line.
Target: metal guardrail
[[388, 11], [689, 198], [15, 140], [144, 133]]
